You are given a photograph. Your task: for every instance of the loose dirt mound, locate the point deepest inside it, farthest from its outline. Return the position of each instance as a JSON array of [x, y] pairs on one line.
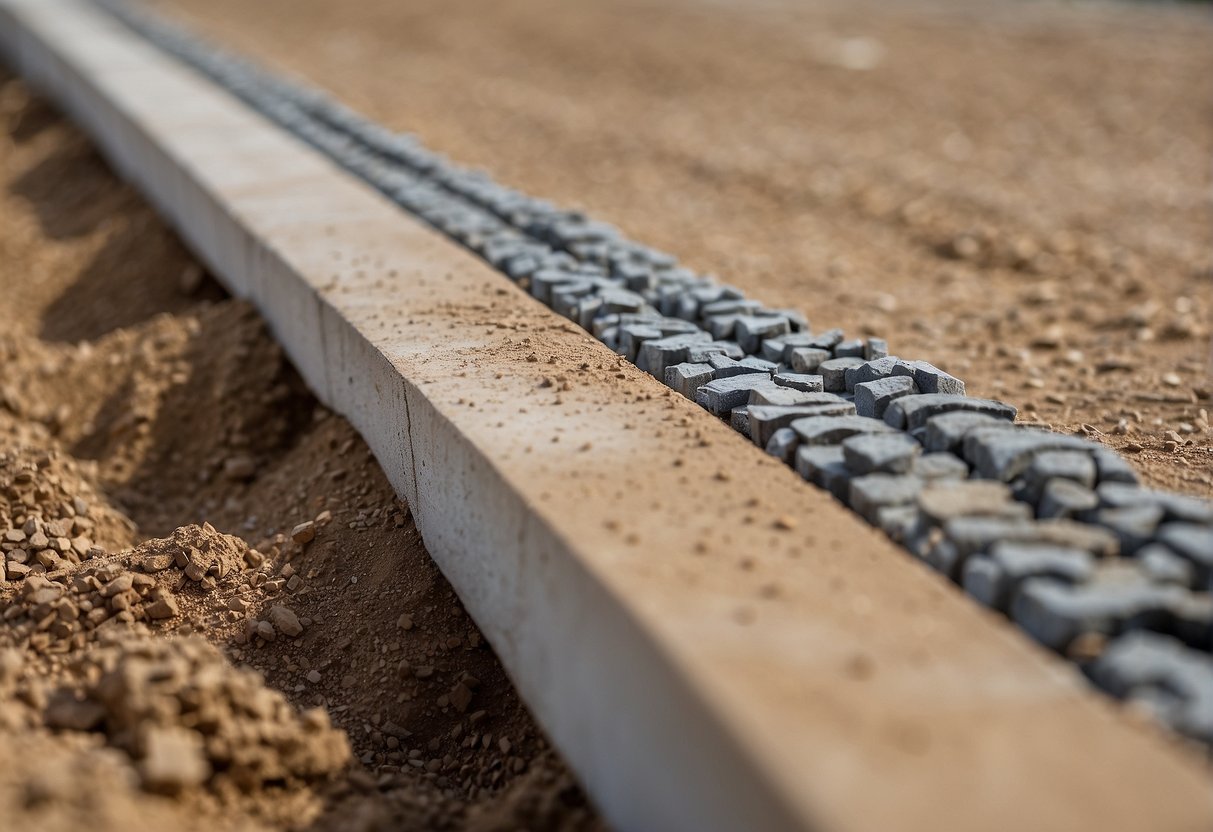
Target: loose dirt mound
[[325, 676]]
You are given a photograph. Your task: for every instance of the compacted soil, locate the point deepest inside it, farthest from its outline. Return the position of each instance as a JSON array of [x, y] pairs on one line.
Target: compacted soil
[[1019, 193], [214, 611]]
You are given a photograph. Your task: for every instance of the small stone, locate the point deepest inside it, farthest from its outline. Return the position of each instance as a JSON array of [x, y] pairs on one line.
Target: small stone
[[162, 608], [173, 760], [285, 621], [304, 533], [405, 622], [239, 468], [122, 583]]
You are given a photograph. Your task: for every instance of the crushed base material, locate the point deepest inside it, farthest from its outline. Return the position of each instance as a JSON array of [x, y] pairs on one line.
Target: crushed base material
[[215, 611]]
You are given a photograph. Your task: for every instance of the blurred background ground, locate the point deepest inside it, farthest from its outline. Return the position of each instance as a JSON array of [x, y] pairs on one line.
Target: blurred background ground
[[1018, 192]]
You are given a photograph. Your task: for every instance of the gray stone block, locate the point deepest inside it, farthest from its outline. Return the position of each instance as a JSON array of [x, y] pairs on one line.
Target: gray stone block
[[1065, 498], [872, 492], [822, 465], [790, 342], [994, 579], [750, 330], [699, 353], [931, 379], [726, 367], [834, 372], [870, 371], [831, 430], [1112, 467], [946, 432], [800, 381], [1113, 601], [1005, 455], [784, 396], [632, 336], [1193, 543], [783, 444], [826, 340], [739, 419], [912, 412], [1076, 466], [849, 349], [1165, 567], [1179, 681], [1134, 526], [875, 348], [942, 501], [687, 378], [1178, 507], [897, 521], [973, 535], [872, 398], [940, 466], [721, 395], [766, 419], [890, 453], [657, 354], [807, 359]]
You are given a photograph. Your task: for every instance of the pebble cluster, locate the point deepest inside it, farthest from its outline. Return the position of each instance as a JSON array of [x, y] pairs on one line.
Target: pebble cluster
[[1051, 529]]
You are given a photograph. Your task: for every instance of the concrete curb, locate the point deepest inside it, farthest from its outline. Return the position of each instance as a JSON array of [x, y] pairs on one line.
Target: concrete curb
[[701, 665]]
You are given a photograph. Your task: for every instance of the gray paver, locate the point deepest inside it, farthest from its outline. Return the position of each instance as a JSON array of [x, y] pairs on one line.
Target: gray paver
[[686, 378], [1165, 567], [912, 412], [749, 330], [872, 398], [870, 371], [834, 372], [891, 453], [800, 381], [931, 379], [1193, 542], [783, 444], [1005, 455], [872, 492], [940, 466], [808, 359], [721, 395], [995, 578], [823, 466], [1144, 661], [946, 432], [1065, 498], [1076, 466], [831, 430], [764, 420]]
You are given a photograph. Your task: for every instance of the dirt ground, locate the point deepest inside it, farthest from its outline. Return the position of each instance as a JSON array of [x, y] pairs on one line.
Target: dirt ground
[[217, 613], [1019, 194]]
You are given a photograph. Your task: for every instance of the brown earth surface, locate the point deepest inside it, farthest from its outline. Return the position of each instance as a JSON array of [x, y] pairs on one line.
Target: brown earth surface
[[1019, 193], [217, 613]]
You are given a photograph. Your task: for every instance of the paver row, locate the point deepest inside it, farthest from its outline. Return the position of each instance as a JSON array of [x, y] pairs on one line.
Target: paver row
[[1051, 529]]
